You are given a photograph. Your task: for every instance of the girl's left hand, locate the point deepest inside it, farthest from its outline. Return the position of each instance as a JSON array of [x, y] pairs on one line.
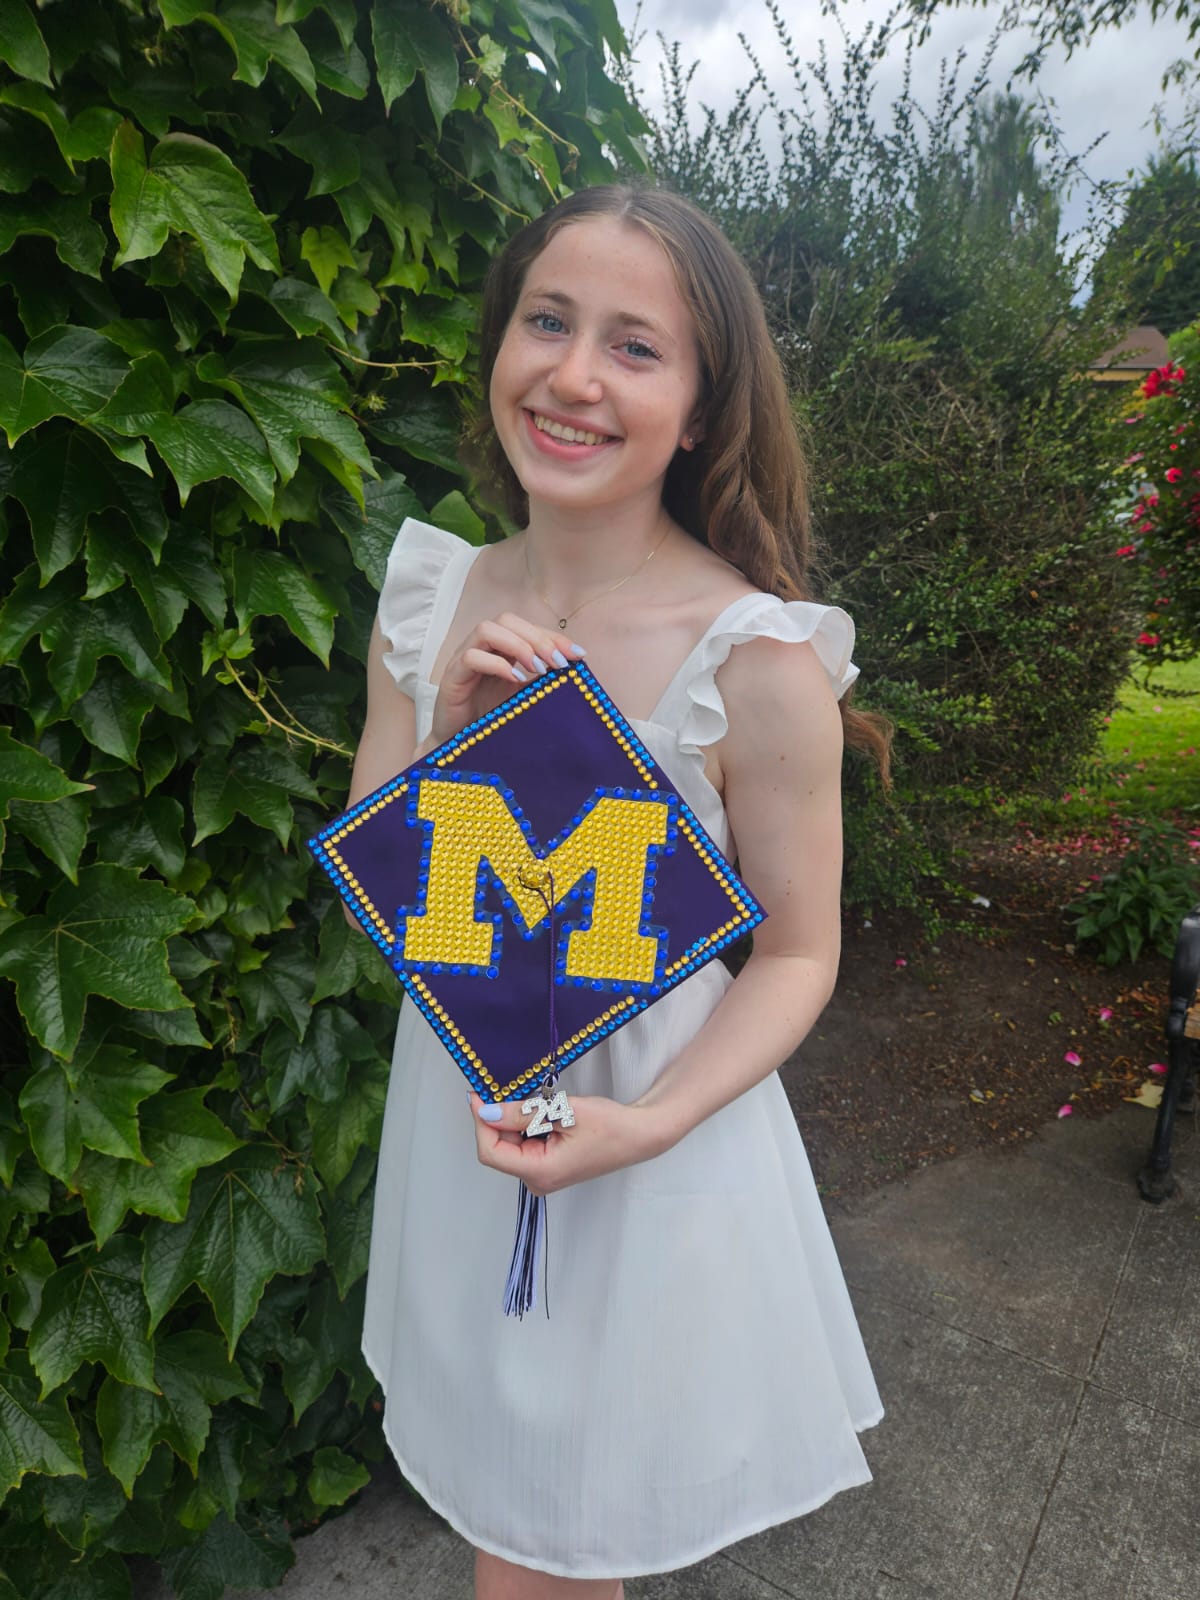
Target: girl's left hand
[[606, 1136]]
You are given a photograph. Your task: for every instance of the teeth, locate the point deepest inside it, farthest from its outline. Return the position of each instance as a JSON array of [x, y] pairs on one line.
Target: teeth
[[556, 430]]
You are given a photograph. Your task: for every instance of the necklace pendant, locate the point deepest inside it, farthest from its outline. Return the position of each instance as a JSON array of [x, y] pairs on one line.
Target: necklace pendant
[[562, 624]]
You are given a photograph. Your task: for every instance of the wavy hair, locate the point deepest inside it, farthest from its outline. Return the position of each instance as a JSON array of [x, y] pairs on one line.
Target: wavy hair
[[743, 490]]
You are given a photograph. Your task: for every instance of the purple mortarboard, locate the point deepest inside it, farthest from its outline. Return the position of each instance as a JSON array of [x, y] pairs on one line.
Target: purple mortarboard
[[541, 838], [535, 883]]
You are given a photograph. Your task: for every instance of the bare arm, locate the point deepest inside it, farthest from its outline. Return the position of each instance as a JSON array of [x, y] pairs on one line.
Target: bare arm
[[782, 764]]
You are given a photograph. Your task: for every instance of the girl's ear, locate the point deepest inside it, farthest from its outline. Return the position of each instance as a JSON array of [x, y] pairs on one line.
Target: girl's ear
[[694, 434]]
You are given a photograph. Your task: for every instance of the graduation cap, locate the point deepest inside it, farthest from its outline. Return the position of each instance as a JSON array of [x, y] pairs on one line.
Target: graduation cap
[[535, 883], [541, 843]]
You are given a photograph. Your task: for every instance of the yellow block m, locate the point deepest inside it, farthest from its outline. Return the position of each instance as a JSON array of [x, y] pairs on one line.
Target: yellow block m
[[472, 822]]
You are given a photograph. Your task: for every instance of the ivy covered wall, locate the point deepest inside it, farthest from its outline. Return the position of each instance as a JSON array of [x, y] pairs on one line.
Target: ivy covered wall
[[241, 245]]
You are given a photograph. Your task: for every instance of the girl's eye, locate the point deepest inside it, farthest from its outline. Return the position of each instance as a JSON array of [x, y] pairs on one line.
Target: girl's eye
[[640, 349], [546, 321]]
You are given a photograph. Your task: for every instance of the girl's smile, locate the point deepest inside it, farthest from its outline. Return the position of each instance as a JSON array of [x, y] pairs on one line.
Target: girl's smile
[[597, 381]]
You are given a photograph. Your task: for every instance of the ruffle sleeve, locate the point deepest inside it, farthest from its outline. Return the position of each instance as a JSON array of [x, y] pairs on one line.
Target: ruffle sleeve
[[416, 566], [699, 715]]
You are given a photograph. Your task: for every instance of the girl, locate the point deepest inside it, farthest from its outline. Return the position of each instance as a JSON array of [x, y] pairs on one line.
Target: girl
[[701, 1376]]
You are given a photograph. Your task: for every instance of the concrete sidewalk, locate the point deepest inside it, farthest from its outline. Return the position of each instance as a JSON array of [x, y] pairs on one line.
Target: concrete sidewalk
[[1035, 1330]]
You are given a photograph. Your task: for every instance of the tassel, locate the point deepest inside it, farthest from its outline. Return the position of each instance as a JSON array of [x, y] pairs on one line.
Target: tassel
[[520, 1292]]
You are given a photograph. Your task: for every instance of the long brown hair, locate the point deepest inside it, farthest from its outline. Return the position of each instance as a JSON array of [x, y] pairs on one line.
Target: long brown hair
[[743, 490]]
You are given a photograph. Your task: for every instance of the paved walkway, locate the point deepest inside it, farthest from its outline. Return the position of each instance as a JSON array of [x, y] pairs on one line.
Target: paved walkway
[[1035, 1330]]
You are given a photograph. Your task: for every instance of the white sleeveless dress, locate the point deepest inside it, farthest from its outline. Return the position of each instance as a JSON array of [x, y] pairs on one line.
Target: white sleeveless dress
[[701, 1375]]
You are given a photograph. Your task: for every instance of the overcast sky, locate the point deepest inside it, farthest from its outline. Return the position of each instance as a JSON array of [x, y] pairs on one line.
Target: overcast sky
[[1109, 88]]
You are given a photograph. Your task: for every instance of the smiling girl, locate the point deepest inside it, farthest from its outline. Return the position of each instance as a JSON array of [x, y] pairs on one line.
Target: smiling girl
[[702, 1376]]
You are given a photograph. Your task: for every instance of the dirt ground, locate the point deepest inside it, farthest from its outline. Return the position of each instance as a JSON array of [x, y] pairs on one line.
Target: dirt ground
[[931, 1048]]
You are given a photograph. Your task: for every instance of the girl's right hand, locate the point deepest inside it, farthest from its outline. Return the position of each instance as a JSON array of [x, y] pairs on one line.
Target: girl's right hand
[[496, 657]]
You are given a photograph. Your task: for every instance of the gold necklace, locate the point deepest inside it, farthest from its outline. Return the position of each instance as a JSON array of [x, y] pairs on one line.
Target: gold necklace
[[612, 589]]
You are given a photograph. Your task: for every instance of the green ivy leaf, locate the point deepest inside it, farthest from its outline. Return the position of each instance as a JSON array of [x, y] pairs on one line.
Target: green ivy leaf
[[211, 439], [332, 154], [226, 1554], [59, 830], [144, 397], [152, 833], [247, 1221], [35, 1435], [335, 1476], [252, 779], [82, 1511], [67, 1106], [106, 936], [21, 42], [348, 1225], [66, 478], [345, 956], [442, 326], [327, 253], [67, 219], [269, 585], [27, 1271], [278, 991], [293, 391], [111, 712], [345, 71], [115, 625], [453, 513], [67, 372], [251, 30], [425, 426], [192, 187], [317, 1065], [371, 531], [305, 309], [179, 1136], [93, 1309], [193, 1374], [355, 1119], [408, 40], [26, 774]]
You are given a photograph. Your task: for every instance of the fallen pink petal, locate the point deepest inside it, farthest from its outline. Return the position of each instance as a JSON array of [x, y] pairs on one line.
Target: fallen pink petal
[[1073, 1058], [1105, 1013], [900, 962], [1066, 1111], [1158, 1067]]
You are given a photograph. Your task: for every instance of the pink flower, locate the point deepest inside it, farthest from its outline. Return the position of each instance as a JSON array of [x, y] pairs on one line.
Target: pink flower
[[1105, 1013], [1126, 550], [1066, 1111], [900, 962], [1073, 1058], [1173, 473], [1157, 1067], [1150, 639]]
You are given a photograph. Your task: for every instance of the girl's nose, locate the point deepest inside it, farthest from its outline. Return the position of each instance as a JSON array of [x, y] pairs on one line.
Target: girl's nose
[[576, 374]]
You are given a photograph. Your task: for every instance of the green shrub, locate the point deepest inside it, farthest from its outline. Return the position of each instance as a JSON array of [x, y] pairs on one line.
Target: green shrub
[[1140, 905], [923, 306], [240, 249]]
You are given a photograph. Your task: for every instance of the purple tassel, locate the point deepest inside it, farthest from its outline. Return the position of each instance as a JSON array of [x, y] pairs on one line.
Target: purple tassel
[[520, 1292]]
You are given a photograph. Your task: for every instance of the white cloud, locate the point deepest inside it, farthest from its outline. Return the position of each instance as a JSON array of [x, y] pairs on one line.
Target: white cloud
[[1106, 91]]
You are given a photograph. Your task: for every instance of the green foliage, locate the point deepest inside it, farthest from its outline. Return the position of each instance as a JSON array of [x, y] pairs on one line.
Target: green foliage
[[1140, 905], [922, 305], [1153, 256], [241, 247]]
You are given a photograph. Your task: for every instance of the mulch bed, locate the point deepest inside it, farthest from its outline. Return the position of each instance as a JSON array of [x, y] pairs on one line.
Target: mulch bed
[[932, 1048]]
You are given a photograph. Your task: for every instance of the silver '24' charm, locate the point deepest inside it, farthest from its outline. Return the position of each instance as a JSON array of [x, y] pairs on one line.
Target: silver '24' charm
[[545, 1112]]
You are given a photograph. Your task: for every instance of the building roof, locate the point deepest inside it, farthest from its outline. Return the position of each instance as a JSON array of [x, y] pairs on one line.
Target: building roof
[[1141, 350]]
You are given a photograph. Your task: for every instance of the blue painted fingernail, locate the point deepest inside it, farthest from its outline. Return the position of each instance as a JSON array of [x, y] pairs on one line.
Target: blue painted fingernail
[[490, 1113], [578, 650], [539, 664], [559, 659], [520, 675]]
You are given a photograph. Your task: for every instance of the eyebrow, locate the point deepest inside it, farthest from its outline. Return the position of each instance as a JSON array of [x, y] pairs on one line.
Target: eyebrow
[[636, 319]]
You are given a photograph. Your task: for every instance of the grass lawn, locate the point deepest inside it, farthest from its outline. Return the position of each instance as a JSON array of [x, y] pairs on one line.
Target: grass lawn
[[1149, 763]]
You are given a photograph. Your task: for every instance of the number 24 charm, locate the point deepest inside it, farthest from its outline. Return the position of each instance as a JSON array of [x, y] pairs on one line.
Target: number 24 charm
[[545, 1112]]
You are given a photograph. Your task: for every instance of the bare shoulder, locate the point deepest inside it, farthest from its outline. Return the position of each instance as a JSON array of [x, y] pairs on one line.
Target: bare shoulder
[[780, 706]]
